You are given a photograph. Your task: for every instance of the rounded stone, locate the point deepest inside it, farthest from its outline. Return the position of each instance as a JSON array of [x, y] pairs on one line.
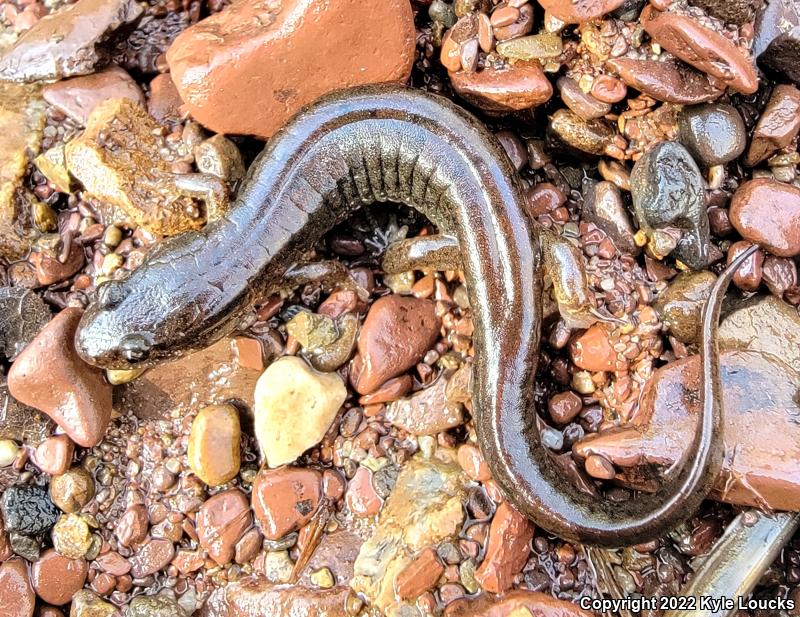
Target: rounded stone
[[72, 490], [56, 578], [28, 510], [213, 451], [767, 212], [713, 133], [54, 454], [221, 522]]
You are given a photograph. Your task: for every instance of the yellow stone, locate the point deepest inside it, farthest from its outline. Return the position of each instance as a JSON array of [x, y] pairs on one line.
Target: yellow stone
[[294, 408], [214, 454]]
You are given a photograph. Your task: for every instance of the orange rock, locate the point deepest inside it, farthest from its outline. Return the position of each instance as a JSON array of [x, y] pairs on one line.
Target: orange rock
[[419, 576], [249, 68], [221, 521], [592, 350], [510, 535], [706, 50], [56, 579], [16, 593], [49, 376], [285, 499], [521, 86]]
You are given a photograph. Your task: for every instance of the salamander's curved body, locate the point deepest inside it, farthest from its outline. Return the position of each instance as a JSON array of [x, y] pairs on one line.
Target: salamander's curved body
[[378, 144]]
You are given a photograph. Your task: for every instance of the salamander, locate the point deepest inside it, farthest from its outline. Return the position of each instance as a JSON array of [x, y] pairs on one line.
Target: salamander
[[391, 144]]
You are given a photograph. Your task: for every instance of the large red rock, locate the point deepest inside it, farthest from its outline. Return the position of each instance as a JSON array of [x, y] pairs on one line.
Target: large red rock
[[510, 536], [285, 499], [16, 593], [50, 376], [777, 126], [767, 212], [249, 68], [56, 579]]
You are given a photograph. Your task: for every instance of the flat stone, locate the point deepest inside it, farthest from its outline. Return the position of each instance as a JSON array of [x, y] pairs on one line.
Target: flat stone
[[164, 102], [285, 499], [761, 436], [56, 578], [257, 596], [669, 80], [16, 594], [704, 49], [420, 575], [395, 335], [152, 556], [65, 43], [767, 212], [54, 454], [214, 448], [777, 125], [22, 315], [426, 412], [122, 158], [579, 11], [294, 408], [296, 50], [50, 269], [48, 375], [21, 123], [519, 86], [603, 206], [221, 521], [590, 136], [593, 351], [361, 498], [78, 96], [423, 509], [507, 551], [131, 528], [585, 105]]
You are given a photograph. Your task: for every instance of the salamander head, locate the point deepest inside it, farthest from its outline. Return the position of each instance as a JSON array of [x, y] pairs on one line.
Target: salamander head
[[120, 329]]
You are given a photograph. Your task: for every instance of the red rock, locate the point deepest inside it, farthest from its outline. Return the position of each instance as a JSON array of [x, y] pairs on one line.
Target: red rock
[[669, 81], [563, 407], [78, 96], [164, 102], [103, 583], [471, 461], [256, 596], [510, 535], [221, 521], [579, 11], [361, 497], [338, 303], [152, 556], [5, 544], [520, 26], [777, 126], [767, 212], [760, 433], [56, 579], [391, 390], [48, 375], [608, 89], [704, 49], [132, 527], [113, 563], [396, 334], [188, 561], [592, 350], [515, 603], [50, 270], [54, 454], [419, 576], [521, 86], [333, 484], [16, 594], [599, 467], [296, 51], [748, 275], [249, 353], [248, 546], [285, 499]]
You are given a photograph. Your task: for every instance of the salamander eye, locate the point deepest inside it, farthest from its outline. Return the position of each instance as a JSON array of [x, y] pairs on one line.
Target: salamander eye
[[135, 348], [110, 294]]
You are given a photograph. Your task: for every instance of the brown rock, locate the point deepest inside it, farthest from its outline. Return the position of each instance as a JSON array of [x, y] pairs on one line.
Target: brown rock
[[56, 579], [517, 603], [213, 451], [419, 576], [164, 102], [361, 497], [87, 604], [49, 611], [48, 375], [669, 81], [608, 89], [767, 212], [704, 49], [285, 499], [426, 412], [54, 454], [680, 305], [249, 353], [296, 51], [189, 561], [221, 521], [748, 275], [16, 594], [65, 42], [563, 407], [132, 527], [520, 86], [471, 460], [777, 126], [518, 22], [579, 11], [592, 350], [77, 97], [761, 436], [72, 490], [113, 563], [152, 556], [256, 596], [510, 535], [391, 390], [585, 105], [396, 334], [49, 269]]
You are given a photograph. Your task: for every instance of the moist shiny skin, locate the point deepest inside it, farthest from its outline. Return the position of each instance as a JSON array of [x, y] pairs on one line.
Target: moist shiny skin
[[388, 143]]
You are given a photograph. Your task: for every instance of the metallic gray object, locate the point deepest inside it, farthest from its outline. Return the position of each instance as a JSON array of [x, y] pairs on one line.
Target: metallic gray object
[[738, 560]]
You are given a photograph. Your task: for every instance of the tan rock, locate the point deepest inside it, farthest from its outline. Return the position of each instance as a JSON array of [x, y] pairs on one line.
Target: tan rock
[[296, 51], [87, 604], [213, 451], [294, 408], [122, 158], [426, 412]]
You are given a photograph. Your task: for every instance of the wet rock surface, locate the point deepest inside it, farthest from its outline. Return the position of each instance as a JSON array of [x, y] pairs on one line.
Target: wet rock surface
[[22, 315], [714, 133], [778, 125], [768, 212]]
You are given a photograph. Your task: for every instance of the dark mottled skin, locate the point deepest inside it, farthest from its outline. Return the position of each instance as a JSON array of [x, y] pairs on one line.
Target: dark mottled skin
[[387, 143]]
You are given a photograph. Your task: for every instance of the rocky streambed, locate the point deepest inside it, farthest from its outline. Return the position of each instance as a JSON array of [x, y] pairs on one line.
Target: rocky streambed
[[321, 459]]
